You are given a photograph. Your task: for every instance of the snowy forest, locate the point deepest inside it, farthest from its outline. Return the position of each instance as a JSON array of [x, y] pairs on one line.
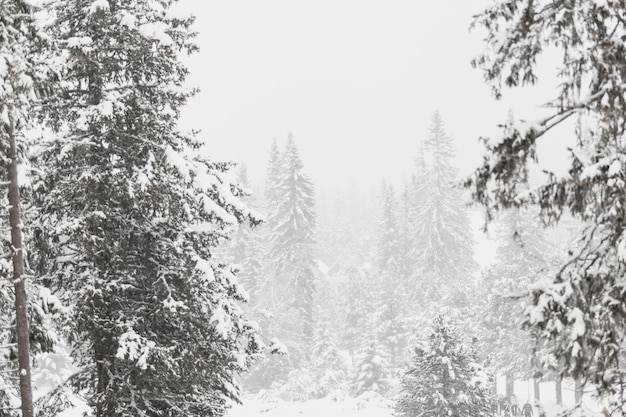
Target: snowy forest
[[142, 276]]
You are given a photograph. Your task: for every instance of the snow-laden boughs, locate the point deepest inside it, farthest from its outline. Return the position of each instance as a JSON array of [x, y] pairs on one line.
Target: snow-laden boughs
[[522, 257], [440, 235], [444, 378], [25, 80], [130, 214], [246, 248], [581, 312], [388, 239], [371, 369], [290, 290]]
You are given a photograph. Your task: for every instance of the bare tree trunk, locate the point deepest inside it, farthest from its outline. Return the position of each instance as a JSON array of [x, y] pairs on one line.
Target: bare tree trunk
[[510, 384], [578, 391], [536, 389], [21, 309], [494, 386], [559, 390]]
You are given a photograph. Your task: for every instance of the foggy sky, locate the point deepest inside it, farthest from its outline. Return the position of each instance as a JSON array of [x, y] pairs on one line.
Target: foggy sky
[[355, 81]]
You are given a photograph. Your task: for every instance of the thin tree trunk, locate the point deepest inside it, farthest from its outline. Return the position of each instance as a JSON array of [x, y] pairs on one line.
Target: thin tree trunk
[[21, 309], [559, 390], [536, 389], [578, 391], [494, 386], [510, 384]]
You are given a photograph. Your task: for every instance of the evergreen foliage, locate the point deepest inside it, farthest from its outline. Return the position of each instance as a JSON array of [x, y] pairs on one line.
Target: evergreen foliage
[[390, 316], [581, 312], [357, 308], [371, 370], [291, 244], [272, 184], [129, 221], [246, 247], [441, 242], [388, 241], [25, 80], [523, 256], [326, 361], [443, 379]]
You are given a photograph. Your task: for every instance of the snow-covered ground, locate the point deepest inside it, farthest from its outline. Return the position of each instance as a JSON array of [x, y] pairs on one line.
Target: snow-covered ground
[[372, 405], [367, 405]]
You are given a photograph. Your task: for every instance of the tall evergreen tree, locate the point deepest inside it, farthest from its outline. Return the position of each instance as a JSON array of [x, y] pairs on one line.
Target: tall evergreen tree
[[357, 308], [326, 361], [442, 236], [272, 184], [389, 318], [371, 371], [443, 378], [523, 256], [129, 220], [291, 254], [388, 241], [581, 313], [24, 80], [246, 248]]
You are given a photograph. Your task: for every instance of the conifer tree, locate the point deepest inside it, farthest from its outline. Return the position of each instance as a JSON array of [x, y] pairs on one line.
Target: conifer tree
[[272, 181], [246, 247], [326, 361], [130, 216], [388, 319], [358, 305], [371, 371], [290, 255], [580, 314], [523, 256], [442, 237], [388, 241], [25, 79], [443, 378]]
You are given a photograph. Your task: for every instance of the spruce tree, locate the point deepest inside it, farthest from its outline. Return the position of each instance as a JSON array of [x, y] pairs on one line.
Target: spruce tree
[[326, 361], [357, 306], [272, 181], [290, 255], [130, 214], [388, 239], [443, 378], [246, 247], [442, 240], [523, 256], [581, 313], [389, 317], [371, 371], [25, 80]]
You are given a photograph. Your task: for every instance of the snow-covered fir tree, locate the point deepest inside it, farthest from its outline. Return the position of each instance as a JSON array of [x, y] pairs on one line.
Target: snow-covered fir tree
[[129, 220], [442, 243], [443, 378], [246, 248], [371, 370], [388, 239], [25, 80], [345, 234], [390, 319], [580, 313], [523, 256], [358, 305], [390, 315], [326, 361], [292, 267], [272, 184]]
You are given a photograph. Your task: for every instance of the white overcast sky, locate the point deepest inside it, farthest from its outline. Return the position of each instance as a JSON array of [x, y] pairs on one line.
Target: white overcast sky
[[355, 81]]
